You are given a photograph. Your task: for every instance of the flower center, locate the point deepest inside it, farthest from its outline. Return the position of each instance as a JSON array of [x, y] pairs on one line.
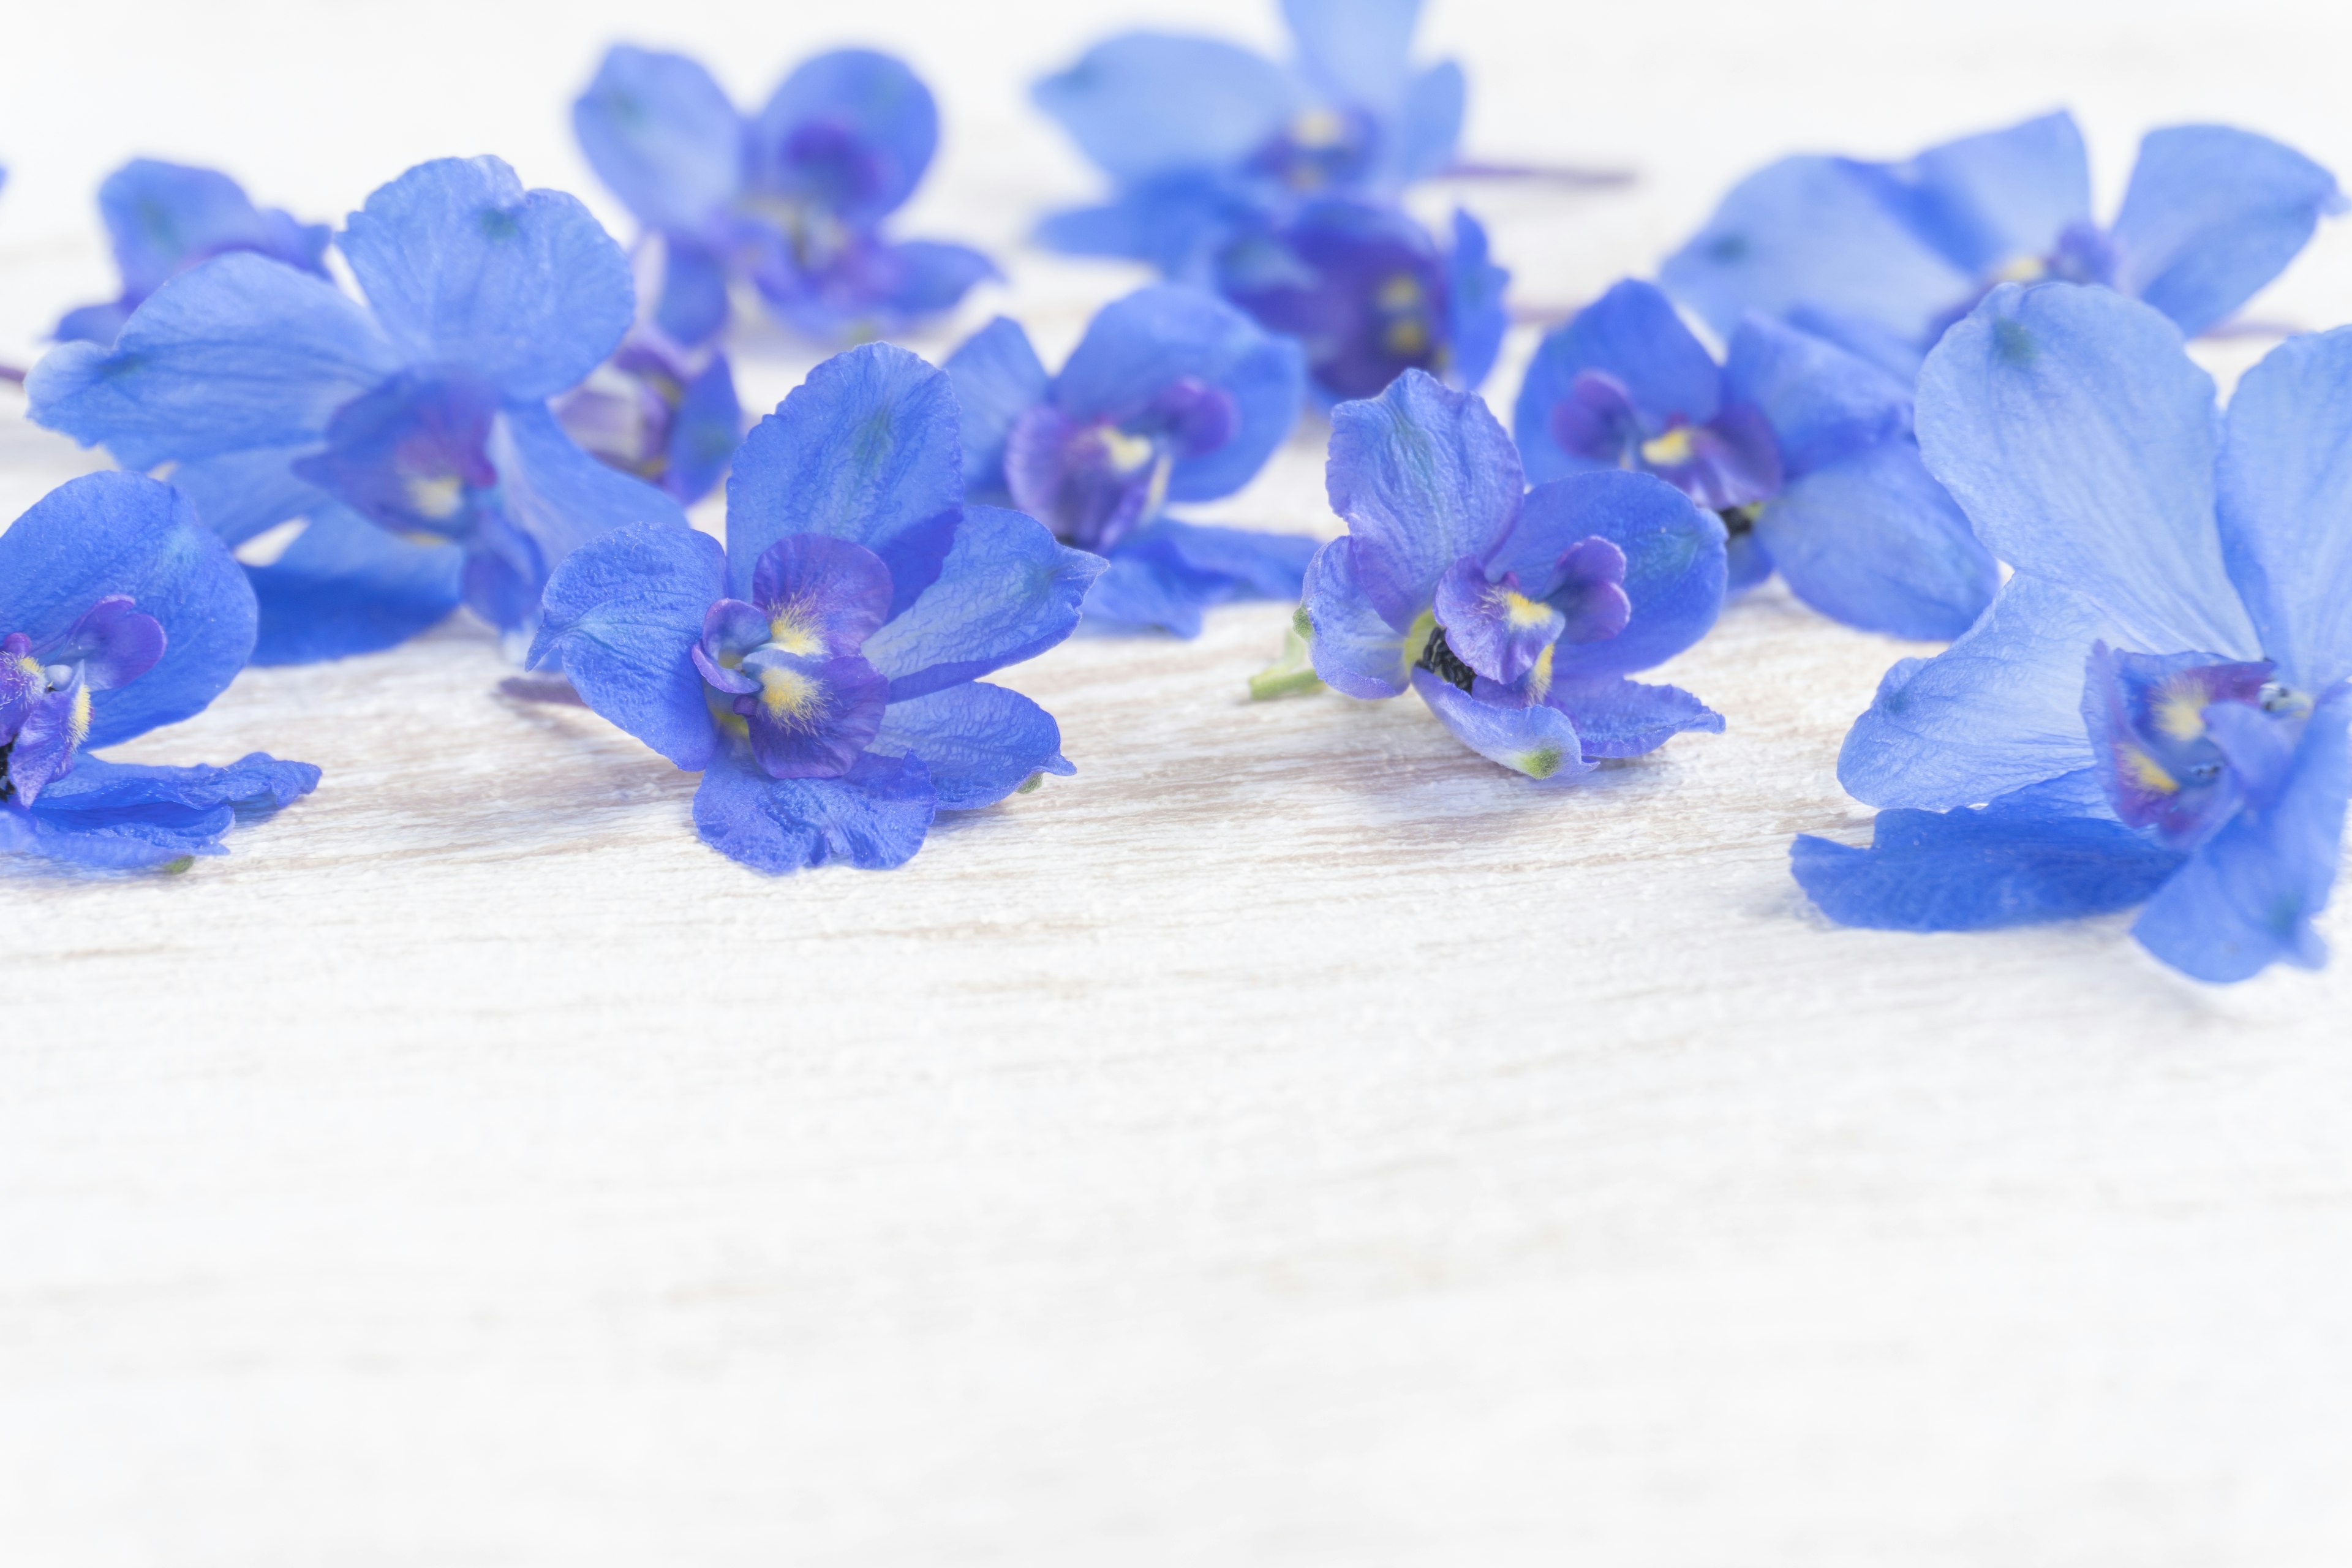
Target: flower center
[[1440, 661], [45, 690]]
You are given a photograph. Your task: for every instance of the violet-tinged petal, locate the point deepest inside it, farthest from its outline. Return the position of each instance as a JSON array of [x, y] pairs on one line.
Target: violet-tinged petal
[[822, 596], [731, 629], [1356, 649], [875, 816], [1535, 739], [114, 644], [1618, 718], [1494, 627], [1595, 424], [2145, 717], [54, 723], [1591, 597], [811, 717], [623, 615]]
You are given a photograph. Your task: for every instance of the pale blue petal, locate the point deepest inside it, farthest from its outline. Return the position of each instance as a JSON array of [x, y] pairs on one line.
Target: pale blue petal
[[1423, 476], [1616, 717], [1477, 316], [466, 271], [346, 586], [126, 816], [1428, 124], [1355, 50], [1536, 741], [883, 108], [621, 616], [1356, 649], [2003, 195], [2285, 495], [1146, 103], [1823, 403], [239, 352], [2212, 214], [978, 743], [1007, 591], [240, 494], [561, 496], [662, 136], [2080, 441], [875, 817], [1875, 541], [997, 377]]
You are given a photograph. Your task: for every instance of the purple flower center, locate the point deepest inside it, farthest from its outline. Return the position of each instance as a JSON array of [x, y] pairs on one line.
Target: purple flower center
[[1364, 293], [625, 412], [1320, 150], [782, 672], [45, 689], [1495, 638], [1094, 481], [413, 455], [1728, 464], [2084, 254], [2184, 740]]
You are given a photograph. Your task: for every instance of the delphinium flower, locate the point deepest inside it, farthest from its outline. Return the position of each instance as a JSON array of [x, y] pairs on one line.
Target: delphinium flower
[[1804, 450], [120, 612], [1172, 395], [667, 414], [1516, 615], [412, 431], [2154, 709], [1882, 257], [791, 202], [821, 670], [1277, 185], [163, 218]]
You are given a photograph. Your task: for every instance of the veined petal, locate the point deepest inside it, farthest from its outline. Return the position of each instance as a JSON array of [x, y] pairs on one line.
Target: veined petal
[[1423, 476], [162, 218], [239, 352], [1616, 717], [522, 290], [1253, 565], [240, 494], [2212, 214], [1875, 541], [1812, 231], [662, 136], [864, 449], [2285, 492], [1537, 740], [822, 596], [978, 743], [1823, 403], [1674, 563], [560, 497], [122, 533], [997, 377], [1145, 103], [850, 130], [1006, 591], [1998, 710], [623, 615], [124, 815], [346, 586], [874, 816], [1356, 649], [2080, 441], [2002, 195], [1632, 336], [2247, 899]]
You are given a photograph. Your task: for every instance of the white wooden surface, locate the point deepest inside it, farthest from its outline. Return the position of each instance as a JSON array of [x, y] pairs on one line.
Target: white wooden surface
[[1290, 1141]]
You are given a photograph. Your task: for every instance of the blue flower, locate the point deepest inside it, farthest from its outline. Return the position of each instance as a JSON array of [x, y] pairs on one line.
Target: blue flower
[[413, 432], [163, 218], [1203, 139], [666, 413], [1882, 258], [820, 670], [1516, 615], [1172, 395], [2155, 706], [119, 612], [1804, 451], [792, 201]]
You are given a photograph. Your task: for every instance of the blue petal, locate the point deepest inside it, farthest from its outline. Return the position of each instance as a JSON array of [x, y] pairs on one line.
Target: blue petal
[[99, 324], [240, 494], [1423, 476], [124, 815], [1144, 590], [622, 616], [930, 277], [124, 533], [1476, 316], [2285, 492], [1823, 403], [1144, 103], [662, 136], [1633, 334], [1975, 869], [709, 426], [997, 377], [2247, 899], [875, 816], [869, 101], [1137, 347], [1253, 565], [1007, 592], [162, 216], [694, 303], [1178, 222], [239, 352], [1355, 50], [1628, 718], [1536, 741], [2080, 441], [1428, 125], [1814, 231], [2002, 195], [1875, 541], [466, 271], [978, 743], [864, 449], [1674, 563], [1998, 710], [345, 587], [2212, 214], [1356, 649], [560, 497]]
